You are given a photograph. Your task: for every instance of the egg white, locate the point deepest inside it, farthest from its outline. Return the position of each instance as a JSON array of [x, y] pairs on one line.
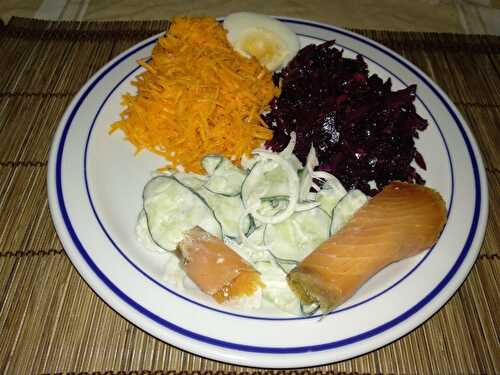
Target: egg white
[[265, 34]]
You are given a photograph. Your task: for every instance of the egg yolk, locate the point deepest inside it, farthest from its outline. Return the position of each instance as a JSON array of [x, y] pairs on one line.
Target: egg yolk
[[265, 46]]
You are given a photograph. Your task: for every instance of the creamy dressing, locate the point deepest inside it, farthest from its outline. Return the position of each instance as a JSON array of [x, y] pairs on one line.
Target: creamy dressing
[[265, 211], [276, 292]]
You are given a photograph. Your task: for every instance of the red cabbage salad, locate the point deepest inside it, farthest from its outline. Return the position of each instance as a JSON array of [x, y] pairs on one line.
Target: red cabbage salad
[[363, 132]]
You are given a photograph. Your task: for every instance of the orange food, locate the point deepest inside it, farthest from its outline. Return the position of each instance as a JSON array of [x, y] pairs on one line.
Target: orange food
[[401, 221], [245, 284], [215, 268], [197, 96]]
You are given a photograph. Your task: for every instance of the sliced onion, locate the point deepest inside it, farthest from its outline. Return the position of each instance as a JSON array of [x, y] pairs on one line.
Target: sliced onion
[[293, 184], [244, 239], [287, 151]]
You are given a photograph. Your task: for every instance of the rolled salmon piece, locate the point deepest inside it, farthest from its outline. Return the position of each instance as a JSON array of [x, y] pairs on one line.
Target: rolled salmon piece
[[399, 222], [216, 268]]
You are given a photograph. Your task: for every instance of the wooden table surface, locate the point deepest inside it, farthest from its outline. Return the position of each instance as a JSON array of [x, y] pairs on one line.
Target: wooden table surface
[[52, 322]]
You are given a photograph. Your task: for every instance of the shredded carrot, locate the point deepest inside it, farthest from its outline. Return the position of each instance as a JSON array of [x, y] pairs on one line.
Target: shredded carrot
[[197, 96]]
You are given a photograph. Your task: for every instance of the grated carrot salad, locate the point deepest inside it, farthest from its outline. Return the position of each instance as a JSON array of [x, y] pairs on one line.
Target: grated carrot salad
[[197, 96]]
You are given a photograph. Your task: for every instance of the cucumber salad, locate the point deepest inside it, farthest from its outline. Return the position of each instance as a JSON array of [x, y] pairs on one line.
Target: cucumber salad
[[273, 211]]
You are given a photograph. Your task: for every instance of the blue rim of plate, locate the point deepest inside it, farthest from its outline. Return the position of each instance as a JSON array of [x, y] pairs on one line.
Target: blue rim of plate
[[163, 286], [261, 349]]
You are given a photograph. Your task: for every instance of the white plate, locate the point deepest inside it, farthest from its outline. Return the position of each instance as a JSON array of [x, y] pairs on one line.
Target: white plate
[[95, 184]]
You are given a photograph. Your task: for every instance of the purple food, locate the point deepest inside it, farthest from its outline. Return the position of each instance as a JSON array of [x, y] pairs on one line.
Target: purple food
[[362, 130]]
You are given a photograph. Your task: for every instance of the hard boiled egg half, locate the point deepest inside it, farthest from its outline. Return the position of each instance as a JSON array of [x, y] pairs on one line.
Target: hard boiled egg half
[[267, 39]]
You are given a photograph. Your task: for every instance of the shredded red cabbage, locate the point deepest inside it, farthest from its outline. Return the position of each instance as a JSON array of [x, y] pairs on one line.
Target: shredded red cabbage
[[362, 131]]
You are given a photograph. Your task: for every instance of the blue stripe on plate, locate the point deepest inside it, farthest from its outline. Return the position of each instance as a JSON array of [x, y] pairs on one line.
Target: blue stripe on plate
[[262, 349], [149, 277]]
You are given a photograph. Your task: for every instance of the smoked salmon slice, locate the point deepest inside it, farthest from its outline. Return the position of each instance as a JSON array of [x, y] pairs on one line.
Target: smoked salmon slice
[[399, 222], [216, 268]]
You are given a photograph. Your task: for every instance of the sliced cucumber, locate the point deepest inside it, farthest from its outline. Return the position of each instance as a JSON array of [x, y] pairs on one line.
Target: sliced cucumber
[[330, 194], [306, 205], [253, 238], [252, 225], [191, 180], [270, 206], [257, 236], [227, 209], [211, 162], [143, 234], [346, 208], [297, 236], [254, 245], [172, 208], [285, 264], [273, 211], [226, 178], [247, 163]]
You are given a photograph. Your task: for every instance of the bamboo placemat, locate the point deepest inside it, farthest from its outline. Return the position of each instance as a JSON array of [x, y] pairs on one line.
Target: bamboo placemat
[[51, 321]]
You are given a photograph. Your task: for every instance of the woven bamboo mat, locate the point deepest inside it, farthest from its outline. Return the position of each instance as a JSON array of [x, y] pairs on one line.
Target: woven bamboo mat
[[51, 321]]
